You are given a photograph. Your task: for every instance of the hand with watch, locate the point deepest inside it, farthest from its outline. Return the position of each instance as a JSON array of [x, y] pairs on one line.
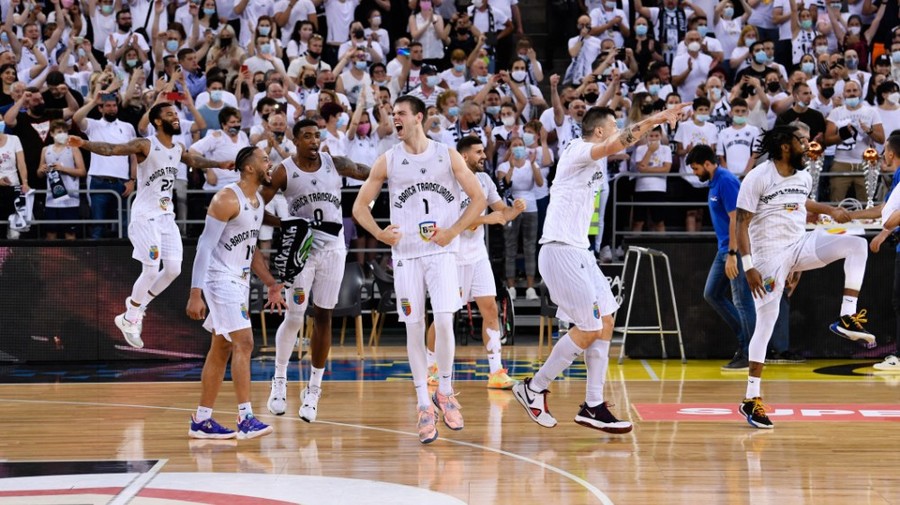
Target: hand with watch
[[731, 266]]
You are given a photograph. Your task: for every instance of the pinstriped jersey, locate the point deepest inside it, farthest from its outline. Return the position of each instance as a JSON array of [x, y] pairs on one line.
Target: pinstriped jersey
[[155, 180], [233, 254], [316, 196]]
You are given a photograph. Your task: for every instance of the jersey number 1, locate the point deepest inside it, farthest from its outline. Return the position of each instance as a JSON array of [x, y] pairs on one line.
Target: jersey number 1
[[250, 250]]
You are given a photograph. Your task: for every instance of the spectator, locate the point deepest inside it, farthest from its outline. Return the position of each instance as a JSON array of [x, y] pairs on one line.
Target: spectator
[[610, 22], [527, 54], [888, 98], [291, 15], [376, 33], [584, 49], [691, 69], [428, 90], [708, 45], [358, 40], [651, 158], [448, 108], [521, 173], [222, 144], [299, 39], [193, 74], [339, 17], [13, 180], [720, 103], [728, 28], [478, 72], [534, 137], [802, 35], [852, 127], [63, 167], [802, 98], [566, 116], [8, 77], [455, 76], [670, 23], [334, 138], [354, 82], [311, 58], [737, 145], [114, 45], [741, 57], [428, 28], [225, 54], [691, 133]]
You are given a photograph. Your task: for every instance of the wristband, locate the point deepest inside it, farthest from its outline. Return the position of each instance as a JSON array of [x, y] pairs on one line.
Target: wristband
[[747, 262]]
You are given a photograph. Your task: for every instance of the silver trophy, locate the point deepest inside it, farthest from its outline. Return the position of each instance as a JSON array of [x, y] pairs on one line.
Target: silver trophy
[[814, 166], [870, 159]]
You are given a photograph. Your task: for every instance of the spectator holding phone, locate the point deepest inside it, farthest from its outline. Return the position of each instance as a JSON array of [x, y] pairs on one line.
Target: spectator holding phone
[[62, 166], [496, 27]]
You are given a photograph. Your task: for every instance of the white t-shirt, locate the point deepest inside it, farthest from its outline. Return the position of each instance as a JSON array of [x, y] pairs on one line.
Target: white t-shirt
[[116, 132], [778, 205], [784, 29], [568, 131], [699, 73], [522, 183], [689, 134], [471, 242], [301, 11], [736, 145], [340, 15], [452, 80], [337, 146], [252, 12], [8, 164], [659, 158], [851, 149], [578, 179], [600, 16], [728, 32], [218, 146], [590, 49]]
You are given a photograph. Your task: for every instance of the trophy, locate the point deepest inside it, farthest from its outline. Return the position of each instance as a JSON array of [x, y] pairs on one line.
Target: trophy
[[870, 158], [814, 166]]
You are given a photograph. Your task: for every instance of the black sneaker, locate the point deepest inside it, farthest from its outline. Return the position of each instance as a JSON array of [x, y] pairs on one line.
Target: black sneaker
[[851, 328], [600, 418], [755, 413], [739, 363], [787, 357]]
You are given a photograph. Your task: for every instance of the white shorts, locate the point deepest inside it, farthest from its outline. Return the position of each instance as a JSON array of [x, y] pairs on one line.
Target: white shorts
[[477, 280], [799, 257], [228, 303], [277, 207], [322, 275], [576, 285], [437, 274], [155, 239]]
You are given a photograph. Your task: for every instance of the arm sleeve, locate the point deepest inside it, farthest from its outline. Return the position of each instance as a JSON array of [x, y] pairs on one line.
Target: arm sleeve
[[212, 232]]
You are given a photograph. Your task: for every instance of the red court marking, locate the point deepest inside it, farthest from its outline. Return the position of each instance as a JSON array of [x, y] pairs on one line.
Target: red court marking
[[875, 412], [199, 497]]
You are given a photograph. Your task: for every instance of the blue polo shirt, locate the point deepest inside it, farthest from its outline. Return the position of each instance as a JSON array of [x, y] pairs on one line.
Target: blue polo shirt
[[723, 193]]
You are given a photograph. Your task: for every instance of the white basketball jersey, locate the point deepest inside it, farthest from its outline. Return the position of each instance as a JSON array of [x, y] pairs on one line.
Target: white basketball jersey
[[424, 195], [578, 178], [155, 180], [316, 196], [233, 254], [471, 242]]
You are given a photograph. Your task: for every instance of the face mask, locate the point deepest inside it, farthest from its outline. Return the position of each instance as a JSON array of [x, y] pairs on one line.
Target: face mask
[[361, 65], [329, 85], [460, 68], [38, 110], [61, 138], [309, 81], [854, 30], [265, 30], [171, 45], [715, 93], [508, 120], [770, 59], [895, 57], [376, 21], [894, 98], [519, 75], [739, 120], [2, 127], [703, 30], [342, 121], [425, 6], [492, 109], [610, 5], [836, 5], [125, 27], [620, 123], [640, 30], [670, 11], [590, 97], [131, 62], [670, 106], [81, 53], [773, 87], [477, 3], [481, 79], [363, 129], [260, 86], [266, 49], [728, 12], [528, 138], [653, 89], [234, 130], [323, 134], [749, 41], [827, 92], [801, 103], [417, 63], [760, 57], [433, 80], [693, 47], [4, 38], [852, 102], [807, 67], [106, 9], [215, 95], [209, 12], [226, 42], [519, 152], [109, 117], [821, 49], [646, 109], [701, 118], [453, 111], [852, 63], [359, 33], [313, 54], [806, 24]]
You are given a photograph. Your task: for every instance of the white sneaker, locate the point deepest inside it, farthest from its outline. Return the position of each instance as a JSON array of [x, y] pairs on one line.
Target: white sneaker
[[890, 364], [310, 404], [131, 331], [512, 292], [531, 294], [535, 404], [278, 396], [605, 255]]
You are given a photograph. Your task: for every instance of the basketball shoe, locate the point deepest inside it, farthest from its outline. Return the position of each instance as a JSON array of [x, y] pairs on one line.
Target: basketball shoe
[[209, 429], [535, 403], [252, 427], [890, 364], [130, 330], [309, 407], [851, 327], [754, 411], [600, 418], [278, 396], [449, 407], [500, 380], [426, 424]]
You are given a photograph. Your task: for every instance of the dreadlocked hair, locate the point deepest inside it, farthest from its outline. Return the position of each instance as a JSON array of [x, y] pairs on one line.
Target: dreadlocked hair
[[772, 140]]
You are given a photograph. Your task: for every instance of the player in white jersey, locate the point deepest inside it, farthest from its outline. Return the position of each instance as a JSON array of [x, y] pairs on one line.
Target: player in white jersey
[[475, 274], [771, 223], [152, 229], [226, 253], [424, 180], [311, 183], [570, 271]]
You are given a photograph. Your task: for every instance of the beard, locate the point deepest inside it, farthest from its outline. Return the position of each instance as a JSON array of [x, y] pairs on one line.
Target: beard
[[110, 117], [170, 129], [796, 161], [38, 110], [704, 176]]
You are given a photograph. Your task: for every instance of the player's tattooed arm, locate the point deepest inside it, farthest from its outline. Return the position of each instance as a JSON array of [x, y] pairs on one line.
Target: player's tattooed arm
[[194, 160], [349, 168], [135, 146], [743, 218]]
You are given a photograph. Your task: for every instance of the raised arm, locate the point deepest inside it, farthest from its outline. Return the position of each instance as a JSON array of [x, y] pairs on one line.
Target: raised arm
[[558, 112], [138, 146], [630, 136], [194, 160]]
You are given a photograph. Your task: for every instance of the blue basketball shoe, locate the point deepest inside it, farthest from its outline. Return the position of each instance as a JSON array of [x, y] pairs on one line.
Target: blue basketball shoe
[[209, 429], [252, 427]]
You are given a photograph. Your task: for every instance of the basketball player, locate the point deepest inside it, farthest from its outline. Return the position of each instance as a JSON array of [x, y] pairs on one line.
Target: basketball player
[[424, 179], [475, 272], [571, 273], [311, 183], [771, 223], [226, 252], [152, 229]]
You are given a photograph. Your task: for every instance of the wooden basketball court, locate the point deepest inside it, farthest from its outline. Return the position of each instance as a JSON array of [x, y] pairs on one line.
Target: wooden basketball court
[[836, 441]]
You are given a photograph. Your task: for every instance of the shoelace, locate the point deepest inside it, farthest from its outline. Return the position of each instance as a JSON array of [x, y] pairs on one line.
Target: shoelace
[[451, 400], [859, 318], [760, 408]]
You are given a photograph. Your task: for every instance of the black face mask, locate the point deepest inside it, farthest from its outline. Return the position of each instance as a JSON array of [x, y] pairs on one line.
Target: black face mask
[[646, 109], [226, 42], [590, 97], [125, 27], [313, 54], [417, 63], [329, 85], [265, 117], [773, 87], [358, 34], [309, 81], [261, 86], [828, 92], [279, 136], [109, 117]]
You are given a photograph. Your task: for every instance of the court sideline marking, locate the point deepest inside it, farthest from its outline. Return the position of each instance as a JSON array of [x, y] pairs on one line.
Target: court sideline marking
[[600, 495], [649, 369], [138, 484]]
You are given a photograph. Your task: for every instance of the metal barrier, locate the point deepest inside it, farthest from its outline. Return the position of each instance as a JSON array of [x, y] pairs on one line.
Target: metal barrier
[[88, 222]]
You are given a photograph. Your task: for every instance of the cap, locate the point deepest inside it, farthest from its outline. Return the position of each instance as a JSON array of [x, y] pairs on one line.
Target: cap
[[883, 60], [428, 70]]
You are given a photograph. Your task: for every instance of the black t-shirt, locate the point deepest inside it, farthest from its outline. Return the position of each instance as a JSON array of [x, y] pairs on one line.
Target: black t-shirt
[[759, 74], [33, 133], [52, 102], [890, 20], [812, 118]]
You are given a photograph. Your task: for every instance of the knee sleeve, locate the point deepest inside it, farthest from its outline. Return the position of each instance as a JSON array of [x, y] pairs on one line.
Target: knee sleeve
[[170, 271], [766, 317], [145, 281]]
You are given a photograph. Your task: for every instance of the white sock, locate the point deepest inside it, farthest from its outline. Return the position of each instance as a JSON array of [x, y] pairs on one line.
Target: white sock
[[493, 348], [203, 413], [244, 410], [415, 350], [561, 357], [494, 361], [444, 346], [596, 359], [848, 305], [281, 371], [132, 313], [423, 399], [753, 384], [430, 358], [315, 377]]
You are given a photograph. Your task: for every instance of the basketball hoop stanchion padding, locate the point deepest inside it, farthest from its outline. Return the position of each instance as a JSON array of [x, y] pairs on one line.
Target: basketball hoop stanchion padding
[[814, 166], [870, 158]]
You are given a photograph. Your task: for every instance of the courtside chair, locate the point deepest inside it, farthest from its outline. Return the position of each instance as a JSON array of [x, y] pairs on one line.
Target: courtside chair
[[548, 313], [386, 302]]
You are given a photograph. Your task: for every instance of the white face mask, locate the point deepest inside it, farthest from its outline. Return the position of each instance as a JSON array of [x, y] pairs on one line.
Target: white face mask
[[518, 75], [693, 47], [61, 138], [508, 120], [854, 30], [894, 98]]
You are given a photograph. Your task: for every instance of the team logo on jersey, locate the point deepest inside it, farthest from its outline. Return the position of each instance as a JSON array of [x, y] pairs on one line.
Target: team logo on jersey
[[164, 203], [244, 312], [314, 182], [769, 284], [791, 207], [295, 176], [427, 229], [154, 252], [299, 296], [405, 306], [399, 263], [405, 162], [246, 273], [596, 311], [423, 170]]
